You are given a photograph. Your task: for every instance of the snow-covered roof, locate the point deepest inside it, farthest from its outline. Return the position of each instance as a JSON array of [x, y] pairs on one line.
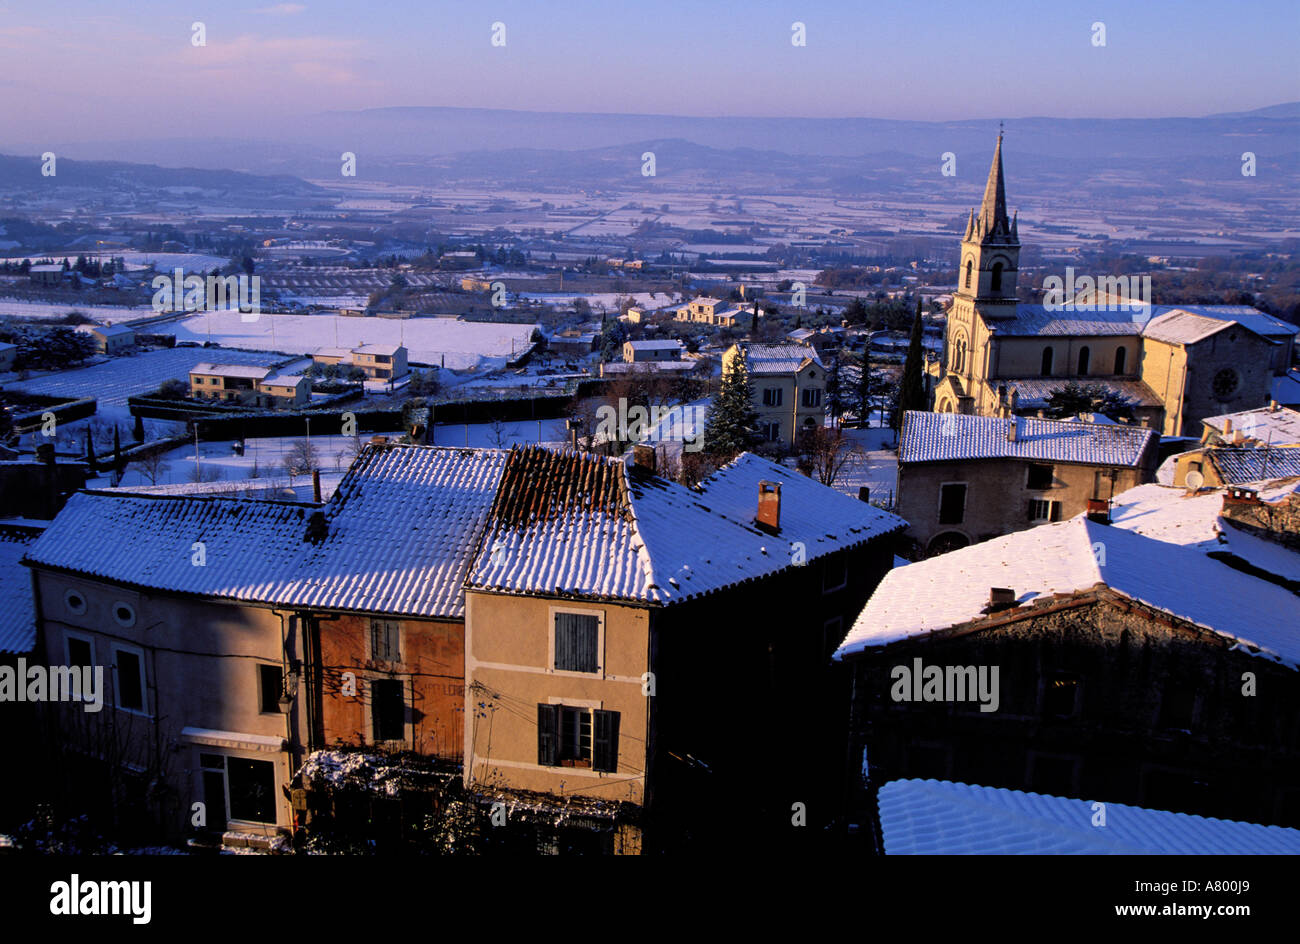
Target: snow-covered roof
[[1034, 391], [668, 345], [332, 352], [777, 358], [1278, 427], [706, 300], [944, 437], [1241, 465], [1073, 556], [389, 349], [399, 534], [938, 817], [577, 525], [1191, 519], [17, 611], [284, 380], [110, 331], [230, 370], [1286, 388], [1036, 320], [1184, 324], [1180, 326], [1250, 318]]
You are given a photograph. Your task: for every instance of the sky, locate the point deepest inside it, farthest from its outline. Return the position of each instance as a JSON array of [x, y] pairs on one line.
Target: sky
[[132, 69]]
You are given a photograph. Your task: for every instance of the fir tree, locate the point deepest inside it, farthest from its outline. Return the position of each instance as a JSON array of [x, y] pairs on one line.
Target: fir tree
[[730, 429], [911, 391]]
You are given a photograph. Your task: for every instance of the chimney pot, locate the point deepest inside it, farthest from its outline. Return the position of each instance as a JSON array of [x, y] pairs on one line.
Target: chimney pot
[[1011, 430], [317, 529], [769, 507], [643, 457], [1227, 426], [1001, 598]]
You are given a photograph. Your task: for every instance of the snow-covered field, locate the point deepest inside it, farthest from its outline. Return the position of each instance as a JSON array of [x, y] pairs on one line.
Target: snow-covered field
[[465, 345], [112, 381], [161, 261], [102, 313], [876, 467]]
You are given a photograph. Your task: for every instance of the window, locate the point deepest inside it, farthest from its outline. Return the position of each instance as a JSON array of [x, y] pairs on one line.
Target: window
[[1046, 366], [997, 277], [385, 641], [1084, 357], [812, 397], [388, 710], [271, 684], [772, 396], [1226, 382], [1121, 358], [251, 785], [577, 642], [1039, 476], [835, 574], [771, 431], [970, 267], [1061, 696], [577, 737], [128, 669], [212, 772], [952, 503], [124, 613], [75, 602], [1041, 510], [79, 650]]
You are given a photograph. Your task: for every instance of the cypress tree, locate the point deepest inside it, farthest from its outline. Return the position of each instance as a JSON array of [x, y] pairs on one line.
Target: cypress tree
[[90, 453], [911, 392]]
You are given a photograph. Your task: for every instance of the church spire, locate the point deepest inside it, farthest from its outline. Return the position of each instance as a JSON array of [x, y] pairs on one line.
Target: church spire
[[993, 210]]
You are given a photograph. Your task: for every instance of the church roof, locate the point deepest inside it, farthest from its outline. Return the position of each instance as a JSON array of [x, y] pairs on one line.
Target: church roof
[[993, 209], [1040, 320], [1032, 392]]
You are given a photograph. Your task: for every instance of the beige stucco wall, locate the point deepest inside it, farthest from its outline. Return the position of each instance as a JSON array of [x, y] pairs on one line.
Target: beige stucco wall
[[200, 662], [508, 652]]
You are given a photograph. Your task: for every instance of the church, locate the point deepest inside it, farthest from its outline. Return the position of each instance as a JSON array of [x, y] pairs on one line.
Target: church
[[1173, 365]]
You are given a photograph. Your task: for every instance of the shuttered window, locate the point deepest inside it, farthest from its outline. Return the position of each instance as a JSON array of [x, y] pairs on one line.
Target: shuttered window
[[605, 755], [577, 642], [577, 737], [385, 641]]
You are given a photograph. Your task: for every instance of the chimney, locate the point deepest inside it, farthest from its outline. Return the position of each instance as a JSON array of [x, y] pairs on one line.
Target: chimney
[[1227, 428], [317, 529], [1001, 598], [315, 485], [1011, 430], [643, 457], [45, 453], [864, 493], [1274, 406], [769, 507], [1099, 510]]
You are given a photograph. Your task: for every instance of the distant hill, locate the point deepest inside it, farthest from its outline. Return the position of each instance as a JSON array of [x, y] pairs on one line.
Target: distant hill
[[1285, 110]]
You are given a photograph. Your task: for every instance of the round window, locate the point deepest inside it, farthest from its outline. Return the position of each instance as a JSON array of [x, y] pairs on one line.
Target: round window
[[1226, 382], [124, 614], [75, 602]]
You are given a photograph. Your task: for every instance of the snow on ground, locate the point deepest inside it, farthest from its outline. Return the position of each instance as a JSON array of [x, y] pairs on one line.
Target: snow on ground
[[160, 261], [500, 435], [14, 308], [876, 467], [112, 381], [609, 300], [465, 345]]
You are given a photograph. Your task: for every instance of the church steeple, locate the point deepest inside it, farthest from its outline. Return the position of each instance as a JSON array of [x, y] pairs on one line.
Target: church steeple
[[993, 210], [990, 251]]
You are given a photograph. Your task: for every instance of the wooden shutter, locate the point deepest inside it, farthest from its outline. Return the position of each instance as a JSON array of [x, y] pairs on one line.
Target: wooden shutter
[[605, 746], [1030, 515], [548, 730], [1056, 511]]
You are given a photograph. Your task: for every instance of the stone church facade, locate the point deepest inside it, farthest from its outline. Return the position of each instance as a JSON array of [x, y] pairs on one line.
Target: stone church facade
[[1174, 366]]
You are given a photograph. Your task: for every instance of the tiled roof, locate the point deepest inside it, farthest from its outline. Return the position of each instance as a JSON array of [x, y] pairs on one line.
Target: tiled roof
[[942, 437], [777, 358], [400, 531], [17, 611], [1183, 327], [1240, 465], [1183, 324], [1286, 388], [402, 528], [1035, 320], [110, 331], [1251, 318], [231, 370], [583, 526], [1034, 391], [1279, 428], [938, 817], [953, 589]]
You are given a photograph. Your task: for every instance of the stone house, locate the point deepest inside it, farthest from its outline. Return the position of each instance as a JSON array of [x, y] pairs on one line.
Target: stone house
[[789, 384]]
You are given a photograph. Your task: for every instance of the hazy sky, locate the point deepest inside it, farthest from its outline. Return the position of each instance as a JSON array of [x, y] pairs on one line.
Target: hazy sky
[[88, 70]]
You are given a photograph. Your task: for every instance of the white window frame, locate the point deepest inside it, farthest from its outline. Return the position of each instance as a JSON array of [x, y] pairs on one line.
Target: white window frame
[[772, 431], [600, 641], [226, 755], [775, 394], [114, 649], [1048, 502], [70, 634], [813, 393]]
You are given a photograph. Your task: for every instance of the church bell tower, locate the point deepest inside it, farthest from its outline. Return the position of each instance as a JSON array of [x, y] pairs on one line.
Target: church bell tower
[[990, 252]]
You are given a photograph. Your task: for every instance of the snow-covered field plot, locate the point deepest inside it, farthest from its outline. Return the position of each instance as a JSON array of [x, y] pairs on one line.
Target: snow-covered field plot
[[607, 300], [465, 345], [120, 377], [500, 435], [161, 261], [102, 313]]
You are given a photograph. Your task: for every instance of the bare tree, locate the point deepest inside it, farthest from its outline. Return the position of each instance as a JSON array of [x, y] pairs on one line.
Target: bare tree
[[152, 466], [824, 452], [300, 459]]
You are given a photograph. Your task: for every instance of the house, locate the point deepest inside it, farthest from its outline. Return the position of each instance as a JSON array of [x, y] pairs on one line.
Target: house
[[710, 311], [610, 614], [1243, 447], [789, 386], [244, 635], [8, 356], [381, 361], [574, 343], [46, 274], [1083, 660], [285, 390], [1172, 365], [938, 817], [641, 352], [963, 479], [110, 338], [233, 383]]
